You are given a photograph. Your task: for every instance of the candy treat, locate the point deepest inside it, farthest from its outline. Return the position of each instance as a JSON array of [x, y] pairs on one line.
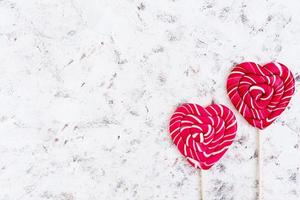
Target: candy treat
[[260, 93], [202, 135]]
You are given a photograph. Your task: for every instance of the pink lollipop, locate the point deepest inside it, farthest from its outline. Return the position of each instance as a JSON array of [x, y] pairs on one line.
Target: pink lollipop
[[260, 94], [202, 135]]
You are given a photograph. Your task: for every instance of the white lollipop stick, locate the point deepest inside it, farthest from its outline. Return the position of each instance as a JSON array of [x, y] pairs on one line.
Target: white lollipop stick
[[259, 166], [201, 184]]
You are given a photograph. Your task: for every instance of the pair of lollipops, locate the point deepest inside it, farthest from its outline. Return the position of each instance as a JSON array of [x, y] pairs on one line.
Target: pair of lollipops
[[259, 93]]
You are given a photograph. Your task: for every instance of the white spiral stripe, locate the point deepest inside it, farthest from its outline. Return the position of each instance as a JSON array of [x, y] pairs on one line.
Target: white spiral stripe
[[257, 88], [279, 67], [196, 118]]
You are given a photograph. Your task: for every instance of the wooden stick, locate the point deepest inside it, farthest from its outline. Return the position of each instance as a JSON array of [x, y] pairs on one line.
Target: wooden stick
[[259, 166], [201, 184]]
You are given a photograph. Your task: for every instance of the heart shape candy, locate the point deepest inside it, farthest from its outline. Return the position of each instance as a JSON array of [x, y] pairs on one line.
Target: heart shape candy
[[202, 135], [260, 93]]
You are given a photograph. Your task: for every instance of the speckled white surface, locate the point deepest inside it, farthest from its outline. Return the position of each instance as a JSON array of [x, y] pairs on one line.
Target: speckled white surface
[[87, 89]]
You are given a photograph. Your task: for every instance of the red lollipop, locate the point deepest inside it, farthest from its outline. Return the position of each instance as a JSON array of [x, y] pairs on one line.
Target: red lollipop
[[202, 135], [260, 93]]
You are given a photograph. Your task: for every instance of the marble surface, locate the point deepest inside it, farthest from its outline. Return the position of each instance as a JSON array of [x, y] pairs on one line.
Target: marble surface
[[87, 89]]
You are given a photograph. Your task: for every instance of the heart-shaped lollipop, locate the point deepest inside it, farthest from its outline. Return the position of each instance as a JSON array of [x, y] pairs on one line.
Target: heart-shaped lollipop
[[202, 135], [260, 93]]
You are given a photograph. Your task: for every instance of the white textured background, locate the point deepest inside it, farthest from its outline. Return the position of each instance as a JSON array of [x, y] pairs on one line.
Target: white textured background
[[87, 88]]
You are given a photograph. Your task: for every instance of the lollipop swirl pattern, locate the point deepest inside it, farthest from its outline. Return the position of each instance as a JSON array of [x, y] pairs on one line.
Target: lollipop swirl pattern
[[260, 93], [202, 135]]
